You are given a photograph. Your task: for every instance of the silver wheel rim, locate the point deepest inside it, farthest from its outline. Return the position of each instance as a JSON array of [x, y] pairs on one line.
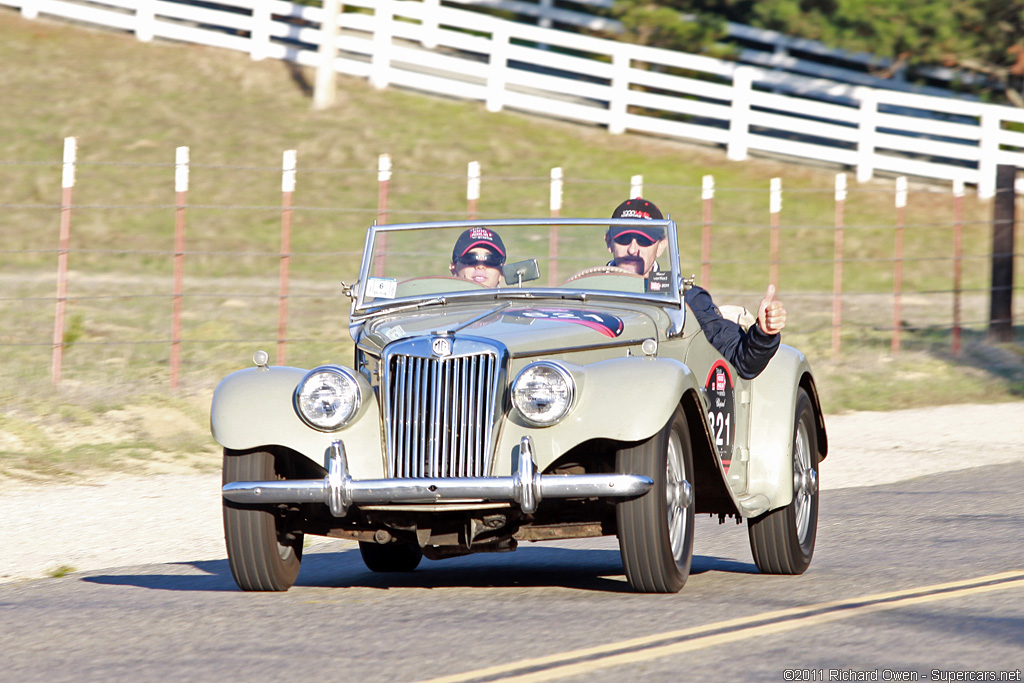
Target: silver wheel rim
[[678, 498], [805, 482]]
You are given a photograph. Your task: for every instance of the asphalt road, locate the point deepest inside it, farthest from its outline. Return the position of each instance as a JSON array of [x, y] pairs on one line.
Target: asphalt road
[[917, 580]]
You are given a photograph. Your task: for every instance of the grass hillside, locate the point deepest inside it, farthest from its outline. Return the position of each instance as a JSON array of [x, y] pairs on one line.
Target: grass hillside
[[131, 104]]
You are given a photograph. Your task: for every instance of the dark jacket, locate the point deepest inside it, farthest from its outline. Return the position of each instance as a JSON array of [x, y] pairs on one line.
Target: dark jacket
[[748, 352]]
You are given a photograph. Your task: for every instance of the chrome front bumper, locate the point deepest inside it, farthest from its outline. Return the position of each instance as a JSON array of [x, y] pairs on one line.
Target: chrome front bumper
[[526, 487]]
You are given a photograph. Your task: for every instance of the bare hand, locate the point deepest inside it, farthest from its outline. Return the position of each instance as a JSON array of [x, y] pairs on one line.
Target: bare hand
[[771, 314]]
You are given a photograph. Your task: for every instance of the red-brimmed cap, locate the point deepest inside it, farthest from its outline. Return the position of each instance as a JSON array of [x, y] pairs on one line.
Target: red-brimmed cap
[[478, 237]]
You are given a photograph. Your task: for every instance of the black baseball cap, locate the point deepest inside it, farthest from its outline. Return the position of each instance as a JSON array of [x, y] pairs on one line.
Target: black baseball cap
[[478, 237], [636, 208]]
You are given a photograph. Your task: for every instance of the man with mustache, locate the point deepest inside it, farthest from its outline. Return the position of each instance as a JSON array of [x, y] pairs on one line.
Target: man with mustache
[[637, 249]]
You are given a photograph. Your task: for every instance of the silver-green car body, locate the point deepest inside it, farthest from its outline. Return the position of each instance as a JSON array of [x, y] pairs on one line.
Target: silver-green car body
[[434, 454]]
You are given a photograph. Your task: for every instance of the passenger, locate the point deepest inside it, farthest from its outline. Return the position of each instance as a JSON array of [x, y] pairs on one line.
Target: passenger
[[636, 249], [479, 255]]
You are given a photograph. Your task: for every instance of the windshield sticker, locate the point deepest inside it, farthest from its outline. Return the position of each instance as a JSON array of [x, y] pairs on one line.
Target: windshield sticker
[[608, 325], [394, 333], [381, 287], [657, 281], [721, 410]]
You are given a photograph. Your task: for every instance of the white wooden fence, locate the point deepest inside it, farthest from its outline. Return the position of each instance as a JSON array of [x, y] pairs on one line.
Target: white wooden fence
[[754, 46], [425, 46]]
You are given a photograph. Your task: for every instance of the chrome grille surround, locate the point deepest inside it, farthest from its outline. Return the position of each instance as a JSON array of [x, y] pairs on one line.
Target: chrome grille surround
[[440, 413]]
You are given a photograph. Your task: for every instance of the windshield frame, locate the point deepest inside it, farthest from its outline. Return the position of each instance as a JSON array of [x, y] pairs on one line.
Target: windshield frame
[[362, 307]]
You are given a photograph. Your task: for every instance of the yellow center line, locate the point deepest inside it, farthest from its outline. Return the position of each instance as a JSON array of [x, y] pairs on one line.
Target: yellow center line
[[645, 648]]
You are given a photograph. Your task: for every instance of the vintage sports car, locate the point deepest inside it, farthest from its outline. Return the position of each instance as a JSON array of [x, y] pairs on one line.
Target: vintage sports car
[[571, 399]]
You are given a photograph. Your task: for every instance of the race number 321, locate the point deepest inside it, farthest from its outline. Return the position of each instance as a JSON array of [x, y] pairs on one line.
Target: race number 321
[[721, 409]]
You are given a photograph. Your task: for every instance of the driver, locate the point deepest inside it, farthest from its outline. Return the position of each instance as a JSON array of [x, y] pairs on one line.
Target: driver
[[479, 255], [636, 249]]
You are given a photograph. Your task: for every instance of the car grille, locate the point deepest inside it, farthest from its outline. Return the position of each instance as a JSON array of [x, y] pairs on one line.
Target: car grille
[[439, 414]]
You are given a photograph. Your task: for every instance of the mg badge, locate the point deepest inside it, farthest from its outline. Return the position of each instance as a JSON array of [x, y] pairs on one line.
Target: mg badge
[[441, 347]]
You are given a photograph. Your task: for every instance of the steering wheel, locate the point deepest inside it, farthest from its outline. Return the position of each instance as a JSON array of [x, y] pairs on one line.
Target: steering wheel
[[602, 270]]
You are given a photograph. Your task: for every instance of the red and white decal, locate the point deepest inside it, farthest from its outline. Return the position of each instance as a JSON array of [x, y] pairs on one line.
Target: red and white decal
[[608, 325]]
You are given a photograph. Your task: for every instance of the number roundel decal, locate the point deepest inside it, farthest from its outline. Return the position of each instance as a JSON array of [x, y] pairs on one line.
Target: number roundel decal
[[721, 409]]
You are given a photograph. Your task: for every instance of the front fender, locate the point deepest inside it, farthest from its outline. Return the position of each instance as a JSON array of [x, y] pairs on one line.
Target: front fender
[[622, 399], [253, 408], [773, 404]]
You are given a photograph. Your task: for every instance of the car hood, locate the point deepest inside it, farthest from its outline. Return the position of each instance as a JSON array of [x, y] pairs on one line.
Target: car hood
[[524, 327]]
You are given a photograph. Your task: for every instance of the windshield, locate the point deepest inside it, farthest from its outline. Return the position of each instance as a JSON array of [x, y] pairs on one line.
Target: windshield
[[550, 257]]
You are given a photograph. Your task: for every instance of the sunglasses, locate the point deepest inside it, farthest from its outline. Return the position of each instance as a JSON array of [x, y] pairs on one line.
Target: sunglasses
[[625, 238], [471, 261]]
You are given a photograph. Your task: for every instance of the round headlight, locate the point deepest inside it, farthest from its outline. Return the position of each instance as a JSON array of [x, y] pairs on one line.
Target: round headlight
[[543, 393], [327, 398]]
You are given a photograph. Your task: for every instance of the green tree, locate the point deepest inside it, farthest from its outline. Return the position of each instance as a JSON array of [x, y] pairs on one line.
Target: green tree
[[983, 37]]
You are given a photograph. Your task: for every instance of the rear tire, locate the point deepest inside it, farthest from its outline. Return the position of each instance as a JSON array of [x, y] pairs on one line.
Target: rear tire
[[264, 552], [782, 541], [390, 557], [656, 529]]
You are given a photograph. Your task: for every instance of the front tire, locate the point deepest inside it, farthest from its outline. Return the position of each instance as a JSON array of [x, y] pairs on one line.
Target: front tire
[[656, 530], [264, 552], [782, 541]]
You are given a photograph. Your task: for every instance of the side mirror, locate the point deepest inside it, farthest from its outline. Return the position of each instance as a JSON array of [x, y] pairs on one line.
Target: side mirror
[[521, 271]]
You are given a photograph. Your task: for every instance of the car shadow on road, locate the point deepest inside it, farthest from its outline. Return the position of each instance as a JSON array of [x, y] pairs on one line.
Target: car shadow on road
[[534, 567]]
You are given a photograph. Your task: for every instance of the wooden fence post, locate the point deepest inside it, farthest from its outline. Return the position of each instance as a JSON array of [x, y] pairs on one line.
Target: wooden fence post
[[288, 160], [1004, 220], [958, 252], [837, 271], [497, 63], [181, 172], [867, 129], [739, 121], [383, 180], [707, 195], [897, 273], [472, 189], [67, 186], [775, 208], [380, 61], [324, 86], [556, 211]]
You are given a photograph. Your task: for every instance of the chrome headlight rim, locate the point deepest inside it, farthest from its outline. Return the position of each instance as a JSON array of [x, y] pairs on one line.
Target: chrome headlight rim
[[566, 378], [345, 418]]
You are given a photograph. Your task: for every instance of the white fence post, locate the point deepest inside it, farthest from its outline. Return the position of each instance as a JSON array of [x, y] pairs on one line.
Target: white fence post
[[381, 60], [739, 126], [431, 9], [636, 186], [324, 87], [496, 73], [619, 90], [867, 128], [145, 20], [989, 151], [544, 21], [30, 9], [259, 39]]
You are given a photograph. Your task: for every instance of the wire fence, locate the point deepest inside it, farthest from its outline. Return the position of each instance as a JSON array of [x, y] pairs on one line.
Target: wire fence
[[112, 291]]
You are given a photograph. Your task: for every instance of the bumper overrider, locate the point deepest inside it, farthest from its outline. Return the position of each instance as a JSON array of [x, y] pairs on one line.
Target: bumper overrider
[[526, 486]]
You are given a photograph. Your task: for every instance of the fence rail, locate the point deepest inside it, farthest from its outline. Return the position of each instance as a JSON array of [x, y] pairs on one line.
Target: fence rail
[[429, 47]]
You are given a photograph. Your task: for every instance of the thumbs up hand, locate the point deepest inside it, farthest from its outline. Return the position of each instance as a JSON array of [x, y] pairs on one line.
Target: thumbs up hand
[[771, 314]]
